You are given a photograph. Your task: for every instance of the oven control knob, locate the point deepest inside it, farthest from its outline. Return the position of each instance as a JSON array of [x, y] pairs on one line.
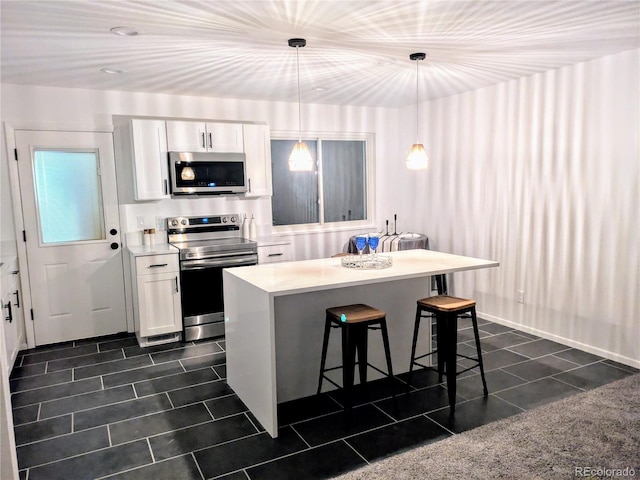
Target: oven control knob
[[233, 219], [225, 219], [183, 221], [174, 223]]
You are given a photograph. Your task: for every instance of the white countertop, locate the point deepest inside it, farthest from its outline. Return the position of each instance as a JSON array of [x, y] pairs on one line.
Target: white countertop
[[156, 249], [326, 273]]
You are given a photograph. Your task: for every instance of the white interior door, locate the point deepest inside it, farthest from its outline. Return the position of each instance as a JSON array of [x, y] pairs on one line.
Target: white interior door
[[70, 209]]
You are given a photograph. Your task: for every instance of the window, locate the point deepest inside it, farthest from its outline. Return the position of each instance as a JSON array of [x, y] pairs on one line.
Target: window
[[337, 193], [69, 196]]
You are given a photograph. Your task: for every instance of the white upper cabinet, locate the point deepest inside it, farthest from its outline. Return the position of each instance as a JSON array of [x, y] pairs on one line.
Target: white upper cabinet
[[150, 161], [257, 148], [189, 136]]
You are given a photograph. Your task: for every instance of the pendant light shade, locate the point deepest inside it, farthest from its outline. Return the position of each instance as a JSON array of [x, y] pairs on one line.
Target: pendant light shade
[[300, 159], [417, 158]]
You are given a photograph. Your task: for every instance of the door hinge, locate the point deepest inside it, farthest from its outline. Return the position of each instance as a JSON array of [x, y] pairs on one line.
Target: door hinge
[[32, 314], [15, 153], [24, 236]]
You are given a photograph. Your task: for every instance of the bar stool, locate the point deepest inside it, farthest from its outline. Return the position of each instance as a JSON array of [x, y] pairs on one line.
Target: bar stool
[[355, 321], [446, 310]]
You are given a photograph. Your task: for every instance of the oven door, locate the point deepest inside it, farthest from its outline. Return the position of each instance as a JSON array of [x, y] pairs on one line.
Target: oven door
[[202, 295]]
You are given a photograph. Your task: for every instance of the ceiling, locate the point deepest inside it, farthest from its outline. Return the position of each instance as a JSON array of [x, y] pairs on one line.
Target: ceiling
[[357, 52]]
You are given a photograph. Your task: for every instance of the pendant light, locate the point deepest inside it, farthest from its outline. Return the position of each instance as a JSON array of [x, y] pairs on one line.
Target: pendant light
[[300, 159], [417, 158]]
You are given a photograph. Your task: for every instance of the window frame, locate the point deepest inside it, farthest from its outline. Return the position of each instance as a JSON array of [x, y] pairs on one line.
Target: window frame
[[322, 226]]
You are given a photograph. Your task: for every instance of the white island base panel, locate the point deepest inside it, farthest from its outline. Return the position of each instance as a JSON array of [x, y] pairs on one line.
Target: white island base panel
[[275, 318]]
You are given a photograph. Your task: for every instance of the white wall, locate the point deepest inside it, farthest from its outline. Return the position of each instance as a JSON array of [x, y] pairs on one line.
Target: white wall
[[59, 108], [543, 174], [540, 173]]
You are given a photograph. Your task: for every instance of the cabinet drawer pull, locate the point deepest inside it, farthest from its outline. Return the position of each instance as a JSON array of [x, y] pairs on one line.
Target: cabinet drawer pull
[[275, 254], [9, 317], [157, 265]]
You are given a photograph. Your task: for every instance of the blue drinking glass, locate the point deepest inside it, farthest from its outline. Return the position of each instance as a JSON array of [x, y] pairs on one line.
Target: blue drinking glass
[[373, 243], [361, 242]]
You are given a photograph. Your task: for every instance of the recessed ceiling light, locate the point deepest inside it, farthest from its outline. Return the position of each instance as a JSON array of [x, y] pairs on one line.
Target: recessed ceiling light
[[111, 71], [124, 31], [319, 89]]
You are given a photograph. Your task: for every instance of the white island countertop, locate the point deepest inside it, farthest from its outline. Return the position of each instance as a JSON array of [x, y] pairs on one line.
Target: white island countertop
[[326, 273], [274, 319]]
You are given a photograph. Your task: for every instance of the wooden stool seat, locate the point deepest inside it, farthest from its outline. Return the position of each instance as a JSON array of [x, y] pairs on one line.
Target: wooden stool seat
[[355, 313], [355, 321], [446, 310], [444, 303]]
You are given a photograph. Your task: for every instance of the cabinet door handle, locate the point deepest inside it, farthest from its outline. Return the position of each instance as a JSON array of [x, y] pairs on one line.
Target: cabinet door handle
[[249, 184], [177, 289], [166, 187], [275, 254], [9, 317], [210, 140], [157, 265], [17, 294], [203, 144]]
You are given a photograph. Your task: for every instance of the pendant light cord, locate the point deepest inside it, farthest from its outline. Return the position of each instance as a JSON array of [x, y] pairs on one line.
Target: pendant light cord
[[299, 107], [417, 101]]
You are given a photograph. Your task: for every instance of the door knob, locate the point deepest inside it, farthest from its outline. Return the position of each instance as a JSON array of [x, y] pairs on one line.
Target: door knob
[[113, 231], [114, 246]]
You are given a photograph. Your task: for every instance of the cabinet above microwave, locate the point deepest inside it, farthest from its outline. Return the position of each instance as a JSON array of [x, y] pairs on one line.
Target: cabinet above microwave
[[207, 173], [190, 136]]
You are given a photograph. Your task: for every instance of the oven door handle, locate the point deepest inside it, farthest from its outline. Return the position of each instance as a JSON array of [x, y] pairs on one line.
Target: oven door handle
[[208, 263], [189, 256]]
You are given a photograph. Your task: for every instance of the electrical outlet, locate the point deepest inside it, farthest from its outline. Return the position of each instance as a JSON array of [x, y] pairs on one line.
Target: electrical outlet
[[140, 221], [161, 223], [520, 296]]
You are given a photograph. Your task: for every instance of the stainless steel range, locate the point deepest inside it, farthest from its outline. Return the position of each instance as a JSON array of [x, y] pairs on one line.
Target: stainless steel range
[[207, 245]]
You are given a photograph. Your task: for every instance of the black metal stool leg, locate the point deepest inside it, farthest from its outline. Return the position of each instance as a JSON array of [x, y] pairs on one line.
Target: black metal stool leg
[[441, 335], [323, 358], [362, 342], [387, 354], [416, 328], [474, 321], [348, 363], [451, 336]]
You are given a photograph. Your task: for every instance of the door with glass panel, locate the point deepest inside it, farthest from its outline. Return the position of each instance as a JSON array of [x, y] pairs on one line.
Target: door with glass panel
[[72, 231]]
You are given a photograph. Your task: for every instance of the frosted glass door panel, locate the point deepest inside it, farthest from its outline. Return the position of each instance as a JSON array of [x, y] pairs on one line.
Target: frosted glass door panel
[[68, 195]]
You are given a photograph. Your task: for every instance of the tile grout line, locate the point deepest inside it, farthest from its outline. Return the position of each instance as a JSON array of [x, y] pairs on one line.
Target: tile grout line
[[344, 440], [195, 460]]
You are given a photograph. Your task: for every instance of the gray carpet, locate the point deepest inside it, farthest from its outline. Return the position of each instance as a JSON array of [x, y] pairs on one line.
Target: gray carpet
[[599, 428]]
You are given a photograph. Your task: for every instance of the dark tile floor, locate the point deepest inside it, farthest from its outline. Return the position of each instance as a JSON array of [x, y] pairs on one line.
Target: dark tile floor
[[106, 408]]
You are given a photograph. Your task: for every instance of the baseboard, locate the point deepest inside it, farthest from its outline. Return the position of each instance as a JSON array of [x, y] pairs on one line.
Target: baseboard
[[565, 341]]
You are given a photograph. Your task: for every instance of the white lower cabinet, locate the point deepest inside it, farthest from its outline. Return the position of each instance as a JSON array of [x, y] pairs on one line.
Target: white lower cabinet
[[281, 252], [12, 320], [156, 298]]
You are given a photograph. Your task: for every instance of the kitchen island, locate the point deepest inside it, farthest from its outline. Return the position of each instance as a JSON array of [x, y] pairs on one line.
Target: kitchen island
[[275, 313]]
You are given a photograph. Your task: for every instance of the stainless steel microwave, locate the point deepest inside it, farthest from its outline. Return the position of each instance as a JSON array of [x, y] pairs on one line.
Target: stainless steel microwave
[[207, 173]]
